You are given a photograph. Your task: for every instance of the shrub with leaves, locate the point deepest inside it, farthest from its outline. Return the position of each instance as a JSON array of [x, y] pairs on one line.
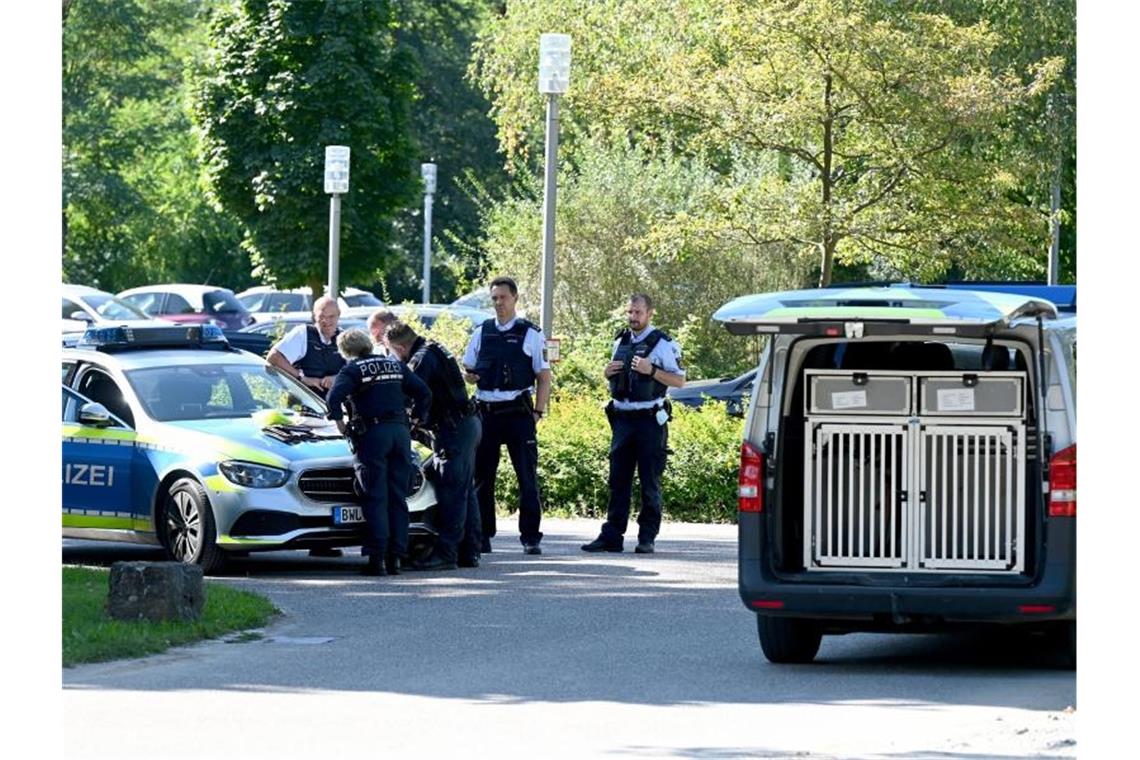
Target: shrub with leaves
[[699, 484]]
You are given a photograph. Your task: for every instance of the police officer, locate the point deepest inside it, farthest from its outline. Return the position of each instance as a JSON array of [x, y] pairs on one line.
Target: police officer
[[379, 387], [645, 361], [308, 352], [378, 322], [455, 431], [505, 360]]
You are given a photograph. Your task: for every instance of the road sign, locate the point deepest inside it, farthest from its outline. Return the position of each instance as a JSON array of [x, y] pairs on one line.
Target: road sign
[[336, 168]]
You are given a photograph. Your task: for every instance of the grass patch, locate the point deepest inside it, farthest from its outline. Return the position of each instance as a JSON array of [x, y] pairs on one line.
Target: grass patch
[[90, 635]]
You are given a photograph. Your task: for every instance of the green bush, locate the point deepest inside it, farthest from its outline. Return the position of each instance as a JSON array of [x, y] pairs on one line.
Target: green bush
[[699, 484]]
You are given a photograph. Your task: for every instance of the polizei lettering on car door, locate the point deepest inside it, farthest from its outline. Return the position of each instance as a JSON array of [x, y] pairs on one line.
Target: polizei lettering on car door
[[88, 475]]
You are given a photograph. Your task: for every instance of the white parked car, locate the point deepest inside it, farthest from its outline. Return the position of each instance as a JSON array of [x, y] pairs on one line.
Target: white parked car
[[85, 307]]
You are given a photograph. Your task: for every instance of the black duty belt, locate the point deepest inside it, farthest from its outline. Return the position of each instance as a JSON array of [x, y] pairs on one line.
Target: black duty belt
[[397, 417], [517, 405]]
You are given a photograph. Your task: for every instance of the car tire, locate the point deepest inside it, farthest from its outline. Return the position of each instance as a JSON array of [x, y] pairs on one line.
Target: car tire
[[788, 640], [187, 525]]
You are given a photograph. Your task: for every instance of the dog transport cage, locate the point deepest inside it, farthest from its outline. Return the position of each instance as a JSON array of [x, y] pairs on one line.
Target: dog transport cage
[[914, 471]]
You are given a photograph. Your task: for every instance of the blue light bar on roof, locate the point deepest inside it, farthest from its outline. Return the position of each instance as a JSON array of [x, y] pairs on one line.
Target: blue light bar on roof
[[126, 338]]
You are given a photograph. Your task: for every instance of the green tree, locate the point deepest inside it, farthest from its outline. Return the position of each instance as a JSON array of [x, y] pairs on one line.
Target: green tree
[[283, 80], [1046, 127], [133, 210], [843, 135], [453, 129], [629, 222]]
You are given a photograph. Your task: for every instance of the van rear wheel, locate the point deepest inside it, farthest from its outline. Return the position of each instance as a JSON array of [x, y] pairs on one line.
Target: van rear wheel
[[788, 640]]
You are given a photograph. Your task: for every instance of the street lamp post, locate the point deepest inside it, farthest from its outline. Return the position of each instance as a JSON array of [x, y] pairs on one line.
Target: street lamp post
[[553, 80], [336, 183], [427, 171]]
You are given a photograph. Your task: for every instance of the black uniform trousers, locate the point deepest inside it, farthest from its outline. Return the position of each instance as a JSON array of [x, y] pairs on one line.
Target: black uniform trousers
[[384, 469], [458, 507], [514, 427], [638, 442]]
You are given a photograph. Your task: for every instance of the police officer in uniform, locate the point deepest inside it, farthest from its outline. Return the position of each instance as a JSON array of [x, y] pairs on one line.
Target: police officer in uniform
[[379, 387], [308, 352], [455, 431], [378, 322], [506, 362], [645, 361]]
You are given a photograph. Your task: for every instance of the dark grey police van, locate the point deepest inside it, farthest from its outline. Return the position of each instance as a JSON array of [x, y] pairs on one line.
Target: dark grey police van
[[909, 462]]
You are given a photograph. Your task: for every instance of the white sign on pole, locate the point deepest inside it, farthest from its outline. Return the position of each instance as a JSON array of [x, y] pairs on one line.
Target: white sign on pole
[[336, 168]]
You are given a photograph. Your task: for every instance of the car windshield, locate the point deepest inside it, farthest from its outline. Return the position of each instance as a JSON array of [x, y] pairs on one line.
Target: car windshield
[[111, 307], [209, 391], [479, 299], [221, 300], [362, 299]]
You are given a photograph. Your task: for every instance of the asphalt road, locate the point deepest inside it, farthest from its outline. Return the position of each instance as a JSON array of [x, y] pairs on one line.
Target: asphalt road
[[567, 654]]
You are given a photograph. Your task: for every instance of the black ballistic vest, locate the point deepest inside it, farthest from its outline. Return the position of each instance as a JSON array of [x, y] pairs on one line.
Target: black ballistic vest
[[381, 391], [501, 364], [448, 391], [320, 360], [629, 384]]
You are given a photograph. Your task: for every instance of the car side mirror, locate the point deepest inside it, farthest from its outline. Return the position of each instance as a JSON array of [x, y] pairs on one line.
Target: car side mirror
[[93, 414], [80, 315]]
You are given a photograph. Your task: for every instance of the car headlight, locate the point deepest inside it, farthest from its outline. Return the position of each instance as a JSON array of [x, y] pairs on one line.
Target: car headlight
[[253, 475]]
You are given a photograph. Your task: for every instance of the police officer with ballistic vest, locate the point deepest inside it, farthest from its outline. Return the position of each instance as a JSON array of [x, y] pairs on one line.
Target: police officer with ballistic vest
[[645, 361], [379, 388], [505, 360], [308, 352], [455, 431]]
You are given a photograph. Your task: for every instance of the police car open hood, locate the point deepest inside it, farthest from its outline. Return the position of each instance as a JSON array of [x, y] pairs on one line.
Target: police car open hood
[[245, 439], [852, 312]]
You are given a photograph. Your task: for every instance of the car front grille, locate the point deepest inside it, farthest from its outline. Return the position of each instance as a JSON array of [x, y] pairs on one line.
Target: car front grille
[[335, 485]]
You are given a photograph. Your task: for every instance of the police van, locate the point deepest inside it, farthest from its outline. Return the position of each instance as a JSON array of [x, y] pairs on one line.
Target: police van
[[172, 437], [909, 462]]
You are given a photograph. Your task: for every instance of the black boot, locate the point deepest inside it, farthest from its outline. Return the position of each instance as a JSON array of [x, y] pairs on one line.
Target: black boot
[[392, 564], [375, 566]]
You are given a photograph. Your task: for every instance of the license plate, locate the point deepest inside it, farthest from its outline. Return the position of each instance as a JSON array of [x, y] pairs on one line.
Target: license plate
[[347, 515]]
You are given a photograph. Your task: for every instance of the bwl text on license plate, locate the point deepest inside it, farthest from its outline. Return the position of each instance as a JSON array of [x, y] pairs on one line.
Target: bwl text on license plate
[[346, 515]]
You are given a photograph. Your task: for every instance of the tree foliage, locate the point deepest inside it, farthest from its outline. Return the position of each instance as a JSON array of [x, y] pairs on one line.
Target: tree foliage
[[133, 211], [841, 132], [285, 79]]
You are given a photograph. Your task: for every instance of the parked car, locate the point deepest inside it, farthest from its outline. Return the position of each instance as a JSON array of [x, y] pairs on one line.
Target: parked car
[[172, 437], [909, 464], [84, 307], [733, 391], [276, 325], [476, 299], [427, 314], [265, 299], [190, 304]]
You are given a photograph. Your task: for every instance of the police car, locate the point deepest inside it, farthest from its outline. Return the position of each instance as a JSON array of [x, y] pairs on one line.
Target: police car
[[172, 437], [909, 462]]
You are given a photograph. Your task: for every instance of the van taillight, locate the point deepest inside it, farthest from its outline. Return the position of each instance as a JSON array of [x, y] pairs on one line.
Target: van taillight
[[1062, 483], [751, 482]]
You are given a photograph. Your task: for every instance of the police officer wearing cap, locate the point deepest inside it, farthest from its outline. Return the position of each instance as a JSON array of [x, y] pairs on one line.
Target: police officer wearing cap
[[505, 360], [455, 430], [645, 363], [308, 352], [379, 387]]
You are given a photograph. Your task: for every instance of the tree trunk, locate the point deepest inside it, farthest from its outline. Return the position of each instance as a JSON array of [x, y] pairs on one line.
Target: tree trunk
[[827, 244]]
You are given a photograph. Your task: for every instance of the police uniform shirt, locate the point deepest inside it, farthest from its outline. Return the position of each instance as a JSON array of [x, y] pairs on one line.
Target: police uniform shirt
[[533, 345], [295, 344], [352, 379], [666, 355]]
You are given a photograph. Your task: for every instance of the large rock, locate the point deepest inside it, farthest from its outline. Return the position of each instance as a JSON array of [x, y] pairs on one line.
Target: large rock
[[155, 591]]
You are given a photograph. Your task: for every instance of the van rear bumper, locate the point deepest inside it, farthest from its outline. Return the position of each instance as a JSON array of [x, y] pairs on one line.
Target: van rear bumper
[[886, 599]]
